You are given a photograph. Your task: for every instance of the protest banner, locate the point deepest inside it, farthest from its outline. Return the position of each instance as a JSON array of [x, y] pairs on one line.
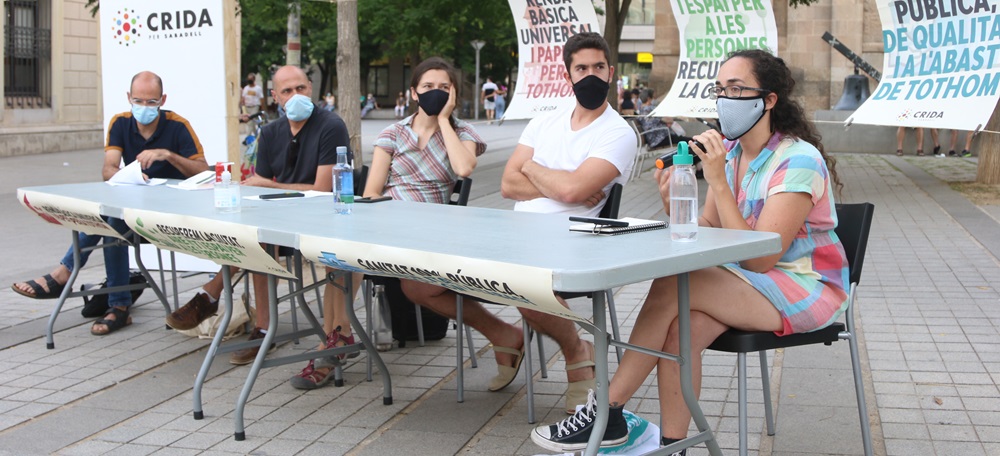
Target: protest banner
[[182, 41], [502, 283], [226, 243], [542, 29], [941, 67], [71, 213], [709, 31]]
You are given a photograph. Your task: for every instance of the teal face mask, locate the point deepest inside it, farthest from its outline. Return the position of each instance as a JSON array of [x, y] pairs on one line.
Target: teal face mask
[[145, 114]]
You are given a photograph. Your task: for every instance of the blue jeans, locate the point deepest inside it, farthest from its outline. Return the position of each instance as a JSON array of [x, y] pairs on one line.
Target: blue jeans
[[115, 261]]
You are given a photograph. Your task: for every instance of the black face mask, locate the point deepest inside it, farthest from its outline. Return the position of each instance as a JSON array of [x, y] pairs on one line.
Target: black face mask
[[591, 91], [432, 101]]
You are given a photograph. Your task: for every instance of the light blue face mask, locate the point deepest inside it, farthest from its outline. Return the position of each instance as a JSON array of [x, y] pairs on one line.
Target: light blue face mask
[[145, 114], [298, 108]]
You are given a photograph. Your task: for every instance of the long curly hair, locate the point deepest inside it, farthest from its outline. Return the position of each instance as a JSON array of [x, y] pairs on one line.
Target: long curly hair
[[787, 116]]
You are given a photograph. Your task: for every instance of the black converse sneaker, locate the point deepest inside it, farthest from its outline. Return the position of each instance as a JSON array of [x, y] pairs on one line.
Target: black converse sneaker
[[572, 433]]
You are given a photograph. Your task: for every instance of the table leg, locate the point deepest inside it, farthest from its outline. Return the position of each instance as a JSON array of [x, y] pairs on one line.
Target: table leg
[[50, 342], [459, 327], [272, 330], [145, 273], [687, 384], [359, 330], [213, 349], [601, 374]]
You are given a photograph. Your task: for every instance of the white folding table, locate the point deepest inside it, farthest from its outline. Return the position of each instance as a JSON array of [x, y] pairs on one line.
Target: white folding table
[[579, 262]]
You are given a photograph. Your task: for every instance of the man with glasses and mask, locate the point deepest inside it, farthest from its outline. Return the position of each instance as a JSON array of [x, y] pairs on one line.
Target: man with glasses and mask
[[297, 152], [166, 147], [565, 163]]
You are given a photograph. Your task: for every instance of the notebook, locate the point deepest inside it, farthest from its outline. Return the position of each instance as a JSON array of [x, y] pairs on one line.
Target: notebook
[[634, 226]]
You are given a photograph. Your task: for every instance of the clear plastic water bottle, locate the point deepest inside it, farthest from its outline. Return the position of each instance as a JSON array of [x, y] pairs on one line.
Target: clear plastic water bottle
[[343, 183], [683, 197], [227, 193]]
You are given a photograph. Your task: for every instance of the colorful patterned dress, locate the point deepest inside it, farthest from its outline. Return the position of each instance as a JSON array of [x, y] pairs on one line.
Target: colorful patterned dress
[[808, 282]]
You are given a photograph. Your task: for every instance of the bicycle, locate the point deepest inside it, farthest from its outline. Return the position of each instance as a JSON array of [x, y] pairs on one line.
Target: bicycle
[[248, 163]]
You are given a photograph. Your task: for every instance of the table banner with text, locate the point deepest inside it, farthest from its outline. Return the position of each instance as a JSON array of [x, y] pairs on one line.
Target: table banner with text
[[542, 29], [941, 68], [709, 31], [502, 283], [222, 242], [71, 213]]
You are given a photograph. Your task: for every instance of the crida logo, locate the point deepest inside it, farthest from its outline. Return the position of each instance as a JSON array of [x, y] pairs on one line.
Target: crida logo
[[126, 27], [903, 115]]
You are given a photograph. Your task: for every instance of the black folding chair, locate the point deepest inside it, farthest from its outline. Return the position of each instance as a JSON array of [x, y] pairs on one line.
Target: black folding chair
[[854, 224], [373, 287]]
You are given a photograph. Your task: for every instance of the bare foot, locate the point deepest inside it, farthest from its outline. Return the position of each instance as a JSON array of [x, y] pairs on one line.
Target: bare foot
[[584, 352]]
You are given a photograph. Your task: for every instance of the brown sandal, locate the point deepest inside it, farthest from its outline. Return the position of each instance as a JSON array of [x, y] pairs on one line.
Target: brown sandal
[[899, 152]]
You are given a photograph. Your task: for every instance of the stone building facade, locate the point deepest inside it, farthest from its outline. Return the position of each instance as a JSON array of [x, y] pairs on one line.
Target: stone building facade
[[51, 79]]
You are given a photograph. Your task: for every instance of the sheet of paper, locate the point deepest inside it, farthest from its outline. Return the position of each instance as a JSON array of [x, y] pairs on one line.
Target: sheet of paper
[[132, 175], [202, 181]]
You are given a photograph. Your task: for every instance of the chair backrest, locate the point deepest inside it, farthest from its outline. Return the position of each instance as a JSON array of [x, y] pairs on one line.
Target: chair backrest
[[637, 128], [460, 194], [854, 224], [360, 179], [610, 209]]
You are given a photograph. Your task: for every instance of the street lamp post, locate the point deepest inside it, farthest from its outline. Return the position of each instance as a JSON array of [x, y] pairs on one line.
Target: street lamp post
[[477, 45]]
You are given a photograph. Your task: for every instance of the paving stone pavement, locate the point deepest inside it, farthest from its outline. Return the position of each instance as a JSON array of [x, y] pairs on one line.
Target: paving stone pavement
[[927, 307]]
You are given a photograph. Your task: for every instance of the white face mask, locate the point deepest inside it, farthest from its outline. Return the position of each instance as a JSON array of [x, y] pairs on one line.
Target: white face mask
[[737, 116]]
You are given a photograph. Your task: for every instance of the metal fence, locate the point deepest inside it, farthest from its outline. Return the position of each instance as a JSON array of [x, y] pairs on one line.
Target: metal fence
[[27, 54]]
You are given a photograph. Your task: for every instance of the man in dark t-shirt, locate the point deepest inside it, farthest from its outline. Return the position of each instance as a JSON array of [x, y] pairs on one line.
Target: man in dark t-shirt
[[304, 158], [296, 152], [166, 146]]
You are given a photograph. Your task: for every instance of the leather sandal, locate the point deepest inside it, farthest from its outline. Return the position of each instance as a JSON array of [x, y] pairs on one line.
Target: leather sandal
[[576, 392], [122, 319], [335, 340], [310, 378], [54, 288], [506, 374]]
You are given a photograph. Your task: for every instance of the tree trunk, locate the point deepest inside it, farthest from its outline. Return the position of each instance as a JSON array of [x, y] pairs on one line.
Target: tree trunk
[[293, 52], [615, 12], [349, 74], [989, 152]]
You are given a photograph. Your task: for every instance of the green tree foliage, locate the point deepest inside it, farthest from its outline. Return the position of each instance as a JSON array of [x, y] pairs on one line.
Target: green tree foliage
[[417, 30]]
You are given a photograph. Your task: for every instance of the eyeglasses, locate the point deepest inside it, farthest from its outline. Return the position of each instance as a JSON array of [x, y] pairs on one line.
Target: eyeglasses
[[733, 91], [153, 102]]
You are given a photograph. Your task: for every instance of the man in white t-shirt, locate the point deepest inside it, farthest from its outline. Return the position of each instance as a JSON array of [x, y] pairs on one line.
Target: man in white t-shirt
[[488, 96], [565, 163]]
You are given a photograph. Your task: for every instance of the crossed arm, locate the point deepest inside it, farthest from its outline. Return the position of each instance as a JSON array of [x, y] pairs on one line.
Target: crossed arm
[[525, 179]]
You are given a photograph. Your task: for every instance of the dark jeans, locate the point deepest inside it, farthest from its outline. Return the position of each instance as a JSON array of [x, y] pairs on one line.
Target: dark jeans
[[115, 261]]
